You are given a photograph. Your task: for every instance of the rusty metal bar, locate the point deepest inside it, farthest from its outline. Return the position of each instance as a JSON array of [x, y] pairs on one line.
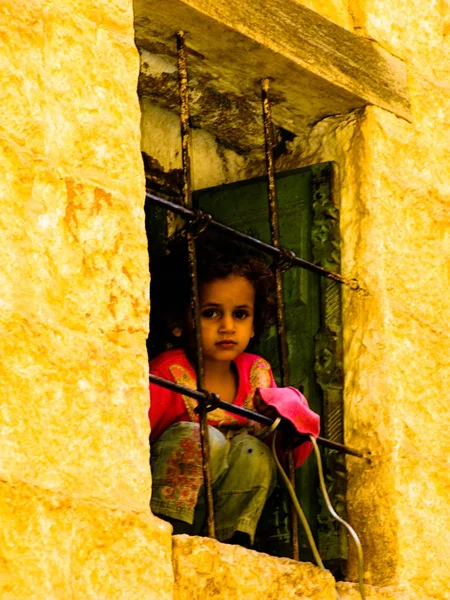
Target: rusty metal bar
[[281, 254], [275, 231], [281, 322], [215, 402], [192, 259]]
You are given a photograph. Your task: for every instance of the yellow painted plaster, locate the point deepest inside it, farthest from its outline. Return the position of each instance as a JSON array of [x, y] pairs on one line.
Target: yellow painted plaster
[[74, 473]]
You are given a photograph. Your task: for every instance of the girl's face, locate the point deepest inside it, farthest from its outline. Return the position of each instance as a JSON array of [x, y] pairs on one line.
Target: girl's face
[[226, 317]]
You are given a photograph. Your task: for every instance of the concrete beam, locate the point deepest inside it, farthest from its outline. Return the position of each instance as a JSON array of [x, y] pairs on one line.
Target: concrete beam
[[318, 68]]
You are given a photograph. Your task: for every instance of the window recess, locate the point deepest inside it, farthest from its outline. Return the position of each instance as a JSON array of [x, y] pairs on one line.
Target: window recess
[[318, 68], [323, 262]]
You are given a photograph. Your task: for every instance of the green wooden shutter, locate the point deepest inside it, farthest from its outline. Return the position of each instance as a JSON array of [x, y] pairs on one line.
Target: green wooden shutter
[[309, 226]]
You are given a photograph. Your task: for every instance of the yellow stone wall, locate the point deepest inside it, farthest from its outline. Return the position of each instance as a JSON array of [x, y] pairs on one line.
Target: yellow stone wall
[[337, 11], [395, 218], [74, 478], [74, 279]]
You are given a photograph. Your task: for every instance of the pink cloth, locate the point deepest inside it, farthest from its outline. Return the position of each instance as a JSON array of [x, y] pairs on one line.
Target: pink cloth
[[292, 406]]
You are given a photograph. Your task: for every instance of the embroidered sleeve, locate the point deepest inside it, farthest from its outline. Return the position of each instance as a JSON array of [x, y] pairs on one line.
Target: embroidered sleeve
[[159, 411], [260, 376], [167, 407], [182, 376]]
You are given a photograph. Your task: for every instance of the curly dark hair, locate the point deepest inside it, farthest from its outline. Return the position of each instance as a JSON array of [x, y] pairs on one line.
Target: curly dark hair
[[217, 258]]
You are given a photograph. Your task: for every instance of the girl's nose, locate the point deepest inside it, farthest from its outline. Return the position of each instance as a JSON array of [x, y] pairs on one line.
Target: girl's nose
[[227, 323]]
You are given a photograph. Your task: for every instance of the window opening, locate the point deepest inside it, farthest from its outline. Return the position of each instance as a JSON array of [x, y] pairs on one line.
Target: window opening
[[284, 259]]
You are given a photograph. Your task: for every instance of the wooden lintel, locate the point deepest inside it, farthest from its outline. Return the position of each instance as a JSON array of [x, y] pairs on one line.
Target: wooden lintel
[[349, 61], [318, 68]]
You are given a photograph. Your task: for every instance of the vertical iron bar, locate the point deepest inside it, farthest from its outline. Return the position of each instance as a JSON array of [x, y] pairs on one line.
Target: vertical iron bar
[[281, 324], [192, 258]]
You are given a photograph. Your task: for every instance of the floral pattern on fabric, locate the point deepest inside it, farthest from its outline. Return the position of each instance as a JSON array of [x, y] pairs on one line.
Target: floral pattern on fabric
[[182, 376], [259, 378], [184, 474], [254, 375]]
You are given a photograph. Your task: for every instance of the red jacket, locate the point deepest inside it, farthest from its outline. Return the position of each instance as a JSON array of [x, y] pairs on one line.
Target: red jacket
[[168, 407]]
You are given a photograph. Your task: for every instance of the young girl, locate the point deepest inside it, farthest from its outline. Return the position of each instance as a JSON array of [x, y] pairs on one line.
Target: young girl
[[236, 298]]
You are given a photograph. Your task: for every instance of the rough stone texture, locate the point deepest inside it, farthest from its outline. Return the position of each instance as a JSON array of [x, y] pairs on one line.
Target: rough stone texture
[[334, 10], [400, 356], [74, 462], [416, 31], [212, 164], [395, 214], [228, 117], [75, 521], [206, 569], [350, 591], [317, 68], [57, 547], [394, 218]]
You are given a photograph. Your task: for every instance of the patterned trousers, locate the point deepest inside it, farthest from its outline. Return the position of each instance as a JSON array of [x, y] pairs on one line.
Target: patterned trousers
[[243, 474]]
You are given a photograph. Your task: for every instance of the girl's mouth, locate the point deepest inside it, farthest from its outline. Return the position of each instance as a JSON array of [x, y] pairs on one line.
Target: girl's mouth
[[226, 344]]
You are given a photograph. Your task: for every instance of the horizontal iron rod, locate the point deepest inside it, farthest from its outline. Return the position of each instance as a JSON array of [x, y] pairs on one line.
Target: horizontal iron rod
[[199, 395], [202, 396], [280, 253]]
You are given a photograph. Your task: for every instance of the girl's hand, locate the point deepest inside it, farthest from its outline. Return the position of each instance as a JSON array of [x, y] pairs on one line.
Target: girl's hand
[[263, 408], [289, 437]]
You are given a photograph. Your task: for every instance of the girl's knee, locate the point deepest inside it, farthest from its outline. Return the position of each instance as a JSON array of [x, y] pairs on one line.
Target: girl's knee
[[191, 429], [179, 431], [253, 456], [218, 444], [184, 437]]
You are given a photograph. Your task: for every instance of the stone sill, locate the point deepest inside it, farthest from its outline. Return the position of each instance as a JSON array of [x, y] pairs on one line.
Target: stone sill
[[205, 569]]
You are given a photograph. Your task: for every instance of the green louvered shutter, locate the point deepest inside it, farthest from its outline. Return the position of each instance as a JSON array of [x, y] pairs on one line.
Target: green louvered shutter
[[309, 226]]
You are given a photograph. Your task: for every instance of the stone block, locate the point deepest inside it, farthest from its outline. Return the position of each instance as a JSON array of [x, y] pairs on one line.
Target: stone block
[[74, 470], [74, 263], [334, 10], [205, 569], [54, 547], [350, 591]]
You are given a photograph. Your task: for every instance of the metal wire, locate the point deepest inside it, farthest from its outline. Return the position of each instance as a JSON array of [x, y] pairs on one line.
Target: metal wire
[[298, 508], [334, 514]]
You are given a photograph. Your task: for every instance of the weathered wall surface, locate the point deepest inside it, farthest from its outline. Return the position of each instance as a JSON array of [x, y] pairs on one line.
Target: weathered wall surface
[[74, 460], [212, 164], [395, 216], [395, 198], [395, 212], [337, 11], [206, 569], [74, 310]]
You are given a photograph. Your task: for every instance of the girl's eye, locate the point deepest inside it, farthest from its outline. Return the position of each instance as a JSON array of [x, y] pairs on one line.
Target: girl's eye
[[241, 314], [209, 313]]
